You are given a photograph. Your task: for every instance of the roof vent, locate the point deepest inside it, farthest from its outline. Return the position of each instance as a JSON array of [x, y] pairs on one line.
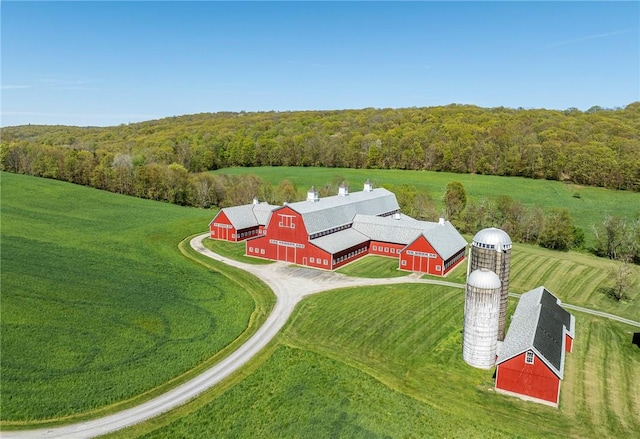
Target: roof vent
[[343, 190], [312, 195], [368, 187], [441, 221], [255, 200], [396, 216]]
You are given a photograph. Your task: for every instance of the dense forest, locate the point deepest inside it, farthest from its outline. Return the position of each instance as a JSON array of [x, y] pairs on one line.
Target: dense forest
[[598, 147]]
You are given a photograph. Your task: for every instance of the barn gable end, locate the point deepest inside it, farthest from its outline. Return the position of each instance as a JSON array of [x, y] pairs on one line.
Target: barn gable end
[[531, 359]]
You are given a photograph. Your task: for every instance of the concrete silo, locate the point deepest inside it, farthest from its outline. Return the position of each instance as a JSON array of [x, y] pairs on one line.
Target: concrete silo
[[491, 249], [481, 311]]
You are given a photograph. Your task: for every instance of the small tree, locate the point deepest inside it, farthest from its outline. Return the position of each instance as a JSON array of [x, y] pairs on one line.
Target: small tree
[[455, 199], [622, 280], [558, 230]]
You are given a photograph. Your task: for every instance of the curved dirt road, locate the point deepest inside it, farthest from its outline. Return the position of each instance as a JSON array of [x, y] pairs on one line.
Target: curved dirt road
[[290, 285]]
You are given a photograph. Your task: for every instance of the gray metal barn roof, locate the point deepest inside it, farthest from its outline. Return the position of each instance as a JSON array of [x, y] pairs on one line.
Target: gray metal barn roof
[[539, 324], [444, 238], [339, 241], [331, 212], [248, 215], [389, 229]]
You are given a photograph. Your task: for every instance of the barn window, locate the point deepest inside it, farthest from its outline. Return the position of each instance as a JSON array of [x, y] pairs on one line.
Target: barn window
[[375, 248], [250, 249], [233, 235], [287, 221], [529, 357], [312, 260], [404, 262], [326, 262], [261, 251]]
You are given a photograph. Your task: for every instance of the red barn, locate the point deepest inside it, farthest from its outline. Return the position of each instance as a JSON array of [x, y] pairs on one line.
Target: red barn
[[420, 246], [330, 232], [240, 222], [531, 360]]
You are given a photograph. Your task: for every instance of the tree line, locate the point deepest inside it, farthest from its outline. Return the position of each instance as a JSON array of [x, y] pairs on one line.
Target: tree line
[[599, 147], [615, 237]]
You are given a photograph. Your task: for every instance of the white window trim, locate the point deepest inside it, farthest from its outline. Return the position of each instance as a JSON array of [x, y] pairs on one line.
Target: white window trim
[[529, 357]]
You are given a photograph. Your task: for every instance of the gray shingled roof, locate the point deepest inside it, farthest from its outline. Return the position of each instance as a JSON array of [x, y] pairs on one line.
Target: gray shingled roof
[[248, 215], [388, 229], [539, 323], [444, 238], [336, 211], [342, 240]]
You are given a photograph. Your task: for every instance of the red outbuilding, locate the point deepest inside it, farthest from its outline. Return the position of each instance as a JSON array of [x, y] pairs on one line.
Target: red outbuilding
[[240, 222], [330, 232], [531, 360]]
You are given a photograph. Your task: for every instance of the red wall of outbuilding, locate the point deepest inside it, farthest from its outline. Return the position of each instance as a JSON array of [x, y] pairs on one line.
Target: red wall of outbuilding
[[222, 233], [385, 249], [420, 263], [279, 229], [535, 380], [568, 343]]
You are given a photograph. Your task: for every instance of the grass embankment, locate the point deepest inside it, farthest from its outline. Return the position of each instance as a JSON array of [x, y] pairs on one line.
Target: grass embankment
[[386, 362], [100, 309], [587, 205]]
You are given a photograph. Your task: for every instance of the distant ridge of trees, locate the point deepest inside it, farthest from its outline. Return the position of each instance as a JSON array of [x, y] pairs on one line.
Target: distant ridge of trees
[[598, 147]]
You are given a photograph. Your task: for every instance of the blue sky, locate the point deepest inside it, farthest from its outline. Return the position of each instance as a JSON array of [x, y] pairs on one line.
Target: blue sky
[[108, 63]]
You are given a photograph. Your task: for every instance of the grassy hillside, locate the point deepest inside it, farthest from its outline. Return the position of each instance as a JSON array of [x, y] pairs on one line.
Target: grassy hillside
[[98, 303], [384, 362], [587, 205]]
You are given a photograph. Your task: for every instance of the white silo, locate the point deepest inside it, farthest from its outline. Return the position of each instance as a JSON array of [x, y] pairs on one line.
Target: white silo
[[491, 249], [481, 311]]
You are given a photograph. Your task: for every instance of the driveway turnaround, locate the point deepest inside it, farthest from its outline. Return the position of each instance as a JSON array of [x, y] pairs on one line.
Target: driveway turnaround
[[290, 285]]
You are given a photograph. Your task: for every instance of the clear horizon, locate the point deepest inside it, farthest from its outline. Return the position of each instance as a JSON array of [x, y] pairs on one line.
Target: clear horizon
[[112, 63]]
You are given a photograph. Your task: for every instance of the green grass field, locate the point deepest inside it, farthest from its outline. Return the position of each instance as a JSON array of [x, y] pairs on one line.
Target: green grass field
[[386, 362], [576, 278], [373, 266], [233, 250], [587, 205], [99, 305]]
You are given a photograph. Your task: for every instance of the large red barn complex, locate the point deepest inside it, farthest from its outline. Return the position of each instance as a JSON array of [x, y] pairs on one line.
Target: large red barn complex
[[531, 360], [330, 232]]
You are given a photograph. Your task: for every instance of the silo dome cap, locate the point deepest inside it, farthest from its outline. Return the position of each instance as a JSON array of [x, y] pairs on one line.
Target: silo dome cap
[[492, 238], [485, 279]]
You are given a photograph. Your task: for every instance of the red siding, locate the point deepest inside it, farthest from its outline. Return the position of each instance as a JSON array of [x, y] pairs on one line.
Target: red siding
[[534, 380], [286, 239], [568, 343], [414, 258], [385, 249], [221, 228]]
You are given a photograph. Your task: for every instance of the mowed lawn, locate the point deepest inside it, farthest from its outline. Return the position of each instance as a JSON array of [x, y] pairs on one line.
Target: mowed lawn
[[98, 303], [587, 205], [386, 362]]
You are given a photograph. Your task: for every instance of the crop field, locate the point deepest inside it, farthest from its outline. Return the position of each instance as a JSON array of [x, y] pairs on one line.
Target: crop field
[[99, 306], [386, 362], [587, 205]]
